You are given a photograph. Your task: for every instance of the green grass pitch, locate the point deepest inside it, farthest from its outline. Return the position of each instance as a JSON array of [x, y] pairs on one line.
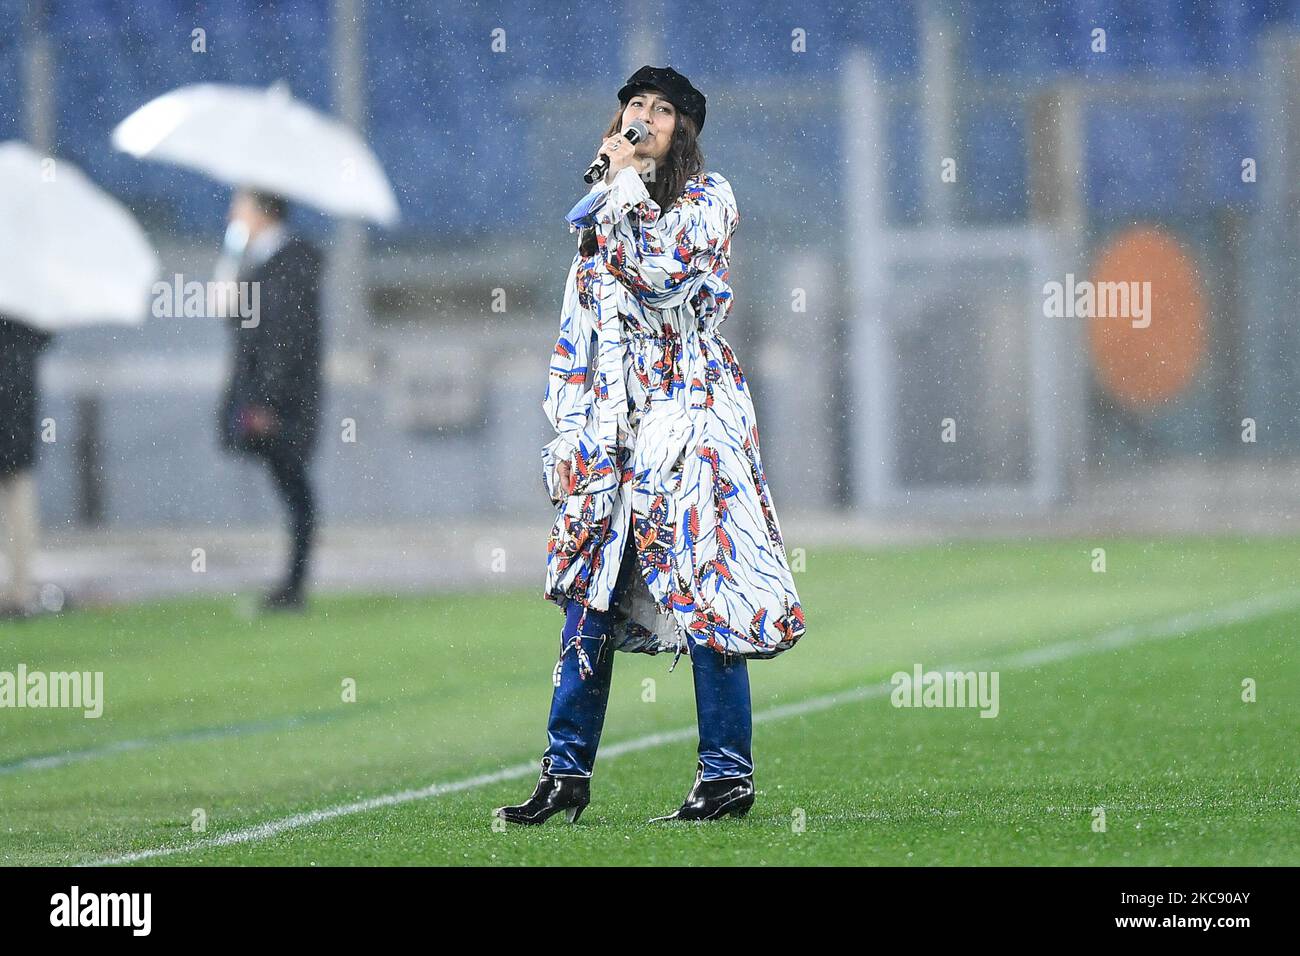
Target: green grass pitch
[[245, 721]]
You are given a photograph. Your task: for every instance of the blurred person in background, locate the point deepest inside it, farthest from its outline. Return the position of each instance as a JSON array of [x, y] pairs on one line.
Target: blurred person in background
[[20, 347], [271, 408], [666, 537]]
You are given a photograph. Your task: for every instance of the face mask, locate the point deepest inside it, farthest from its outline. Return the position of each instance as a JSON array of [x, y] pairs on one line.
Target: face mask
[[236, 239]]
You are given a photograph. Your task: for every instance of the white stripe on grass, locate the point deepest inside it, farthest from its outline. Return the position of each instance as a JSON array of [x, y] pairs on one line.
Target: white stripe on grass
[[1116, 638]]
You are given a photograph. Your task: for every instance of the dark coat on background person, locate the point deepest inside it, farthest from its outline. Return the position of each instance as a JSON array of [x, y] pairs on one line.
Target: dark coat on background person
[[20, 346], [277, 363]]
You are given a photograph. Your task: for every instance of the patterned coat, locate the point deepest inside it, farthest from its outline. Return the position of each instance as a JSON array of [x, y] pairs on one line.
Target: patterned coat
[[652, 409]]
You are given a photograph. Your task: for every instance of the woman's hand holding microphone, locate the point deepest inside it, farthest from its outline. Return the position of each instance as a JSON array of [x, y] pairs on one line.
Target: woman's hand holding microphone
[[621, 153]]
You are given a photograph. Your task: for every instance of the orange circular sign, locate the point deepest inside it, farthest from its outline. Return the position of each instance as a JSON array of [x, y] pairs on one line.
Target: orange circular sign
[[1147, 323]]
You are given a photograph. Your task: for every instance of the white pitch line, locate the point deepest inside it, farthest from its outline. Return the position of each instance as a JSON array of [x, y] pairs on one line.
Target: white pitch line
[[1125, 636]]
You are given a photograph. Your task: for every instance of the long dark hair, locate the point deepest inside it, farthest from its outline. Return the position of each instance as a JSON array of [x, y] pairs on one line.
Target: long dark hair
[[683, 161]]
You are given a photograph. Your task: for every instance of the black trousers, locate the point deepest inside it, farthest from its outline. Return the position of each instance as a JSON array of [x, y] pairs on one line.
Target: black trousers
[[289, 472]]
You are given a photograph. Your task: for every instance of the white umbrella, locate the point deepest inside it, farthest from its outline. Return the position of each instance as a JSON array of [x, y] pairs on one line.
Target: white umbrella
[[264, 139], [72, 254]]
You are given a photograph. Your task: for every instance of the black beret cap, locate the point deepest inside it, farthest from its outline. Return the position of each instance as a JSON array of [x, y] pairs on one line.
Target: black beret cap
[[672, 85]]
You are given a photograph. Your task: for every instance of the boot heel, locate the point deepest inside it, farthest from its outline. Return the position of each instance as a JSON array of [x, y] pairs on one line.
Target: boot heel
[[553, 795]]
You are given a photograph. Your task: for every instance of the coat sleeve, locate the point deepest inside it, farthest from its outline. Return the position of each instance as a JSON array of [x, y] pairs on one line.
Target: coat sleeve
[[567, 397], [663, 258]]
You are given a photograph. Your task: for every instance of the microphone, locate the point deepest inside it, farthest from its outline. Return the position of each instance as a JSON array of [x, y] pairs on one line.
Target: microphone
[[633, 134]]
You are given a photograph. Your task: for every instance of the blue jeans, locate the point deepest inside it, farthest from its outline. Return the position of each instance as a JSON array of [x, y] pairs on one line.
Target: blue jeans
[[722, 704], [723, 713], [578, 706]]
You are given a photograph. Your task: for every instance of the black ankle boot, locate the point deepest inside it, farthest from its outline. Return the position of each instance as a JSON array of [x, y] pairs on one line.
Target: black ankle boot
[[714, 799], [552, 795]]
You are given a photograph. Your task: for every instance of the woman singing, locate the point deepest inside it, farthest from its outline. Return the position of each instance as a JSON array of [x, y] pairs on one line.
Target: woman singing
[[666, 537]]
